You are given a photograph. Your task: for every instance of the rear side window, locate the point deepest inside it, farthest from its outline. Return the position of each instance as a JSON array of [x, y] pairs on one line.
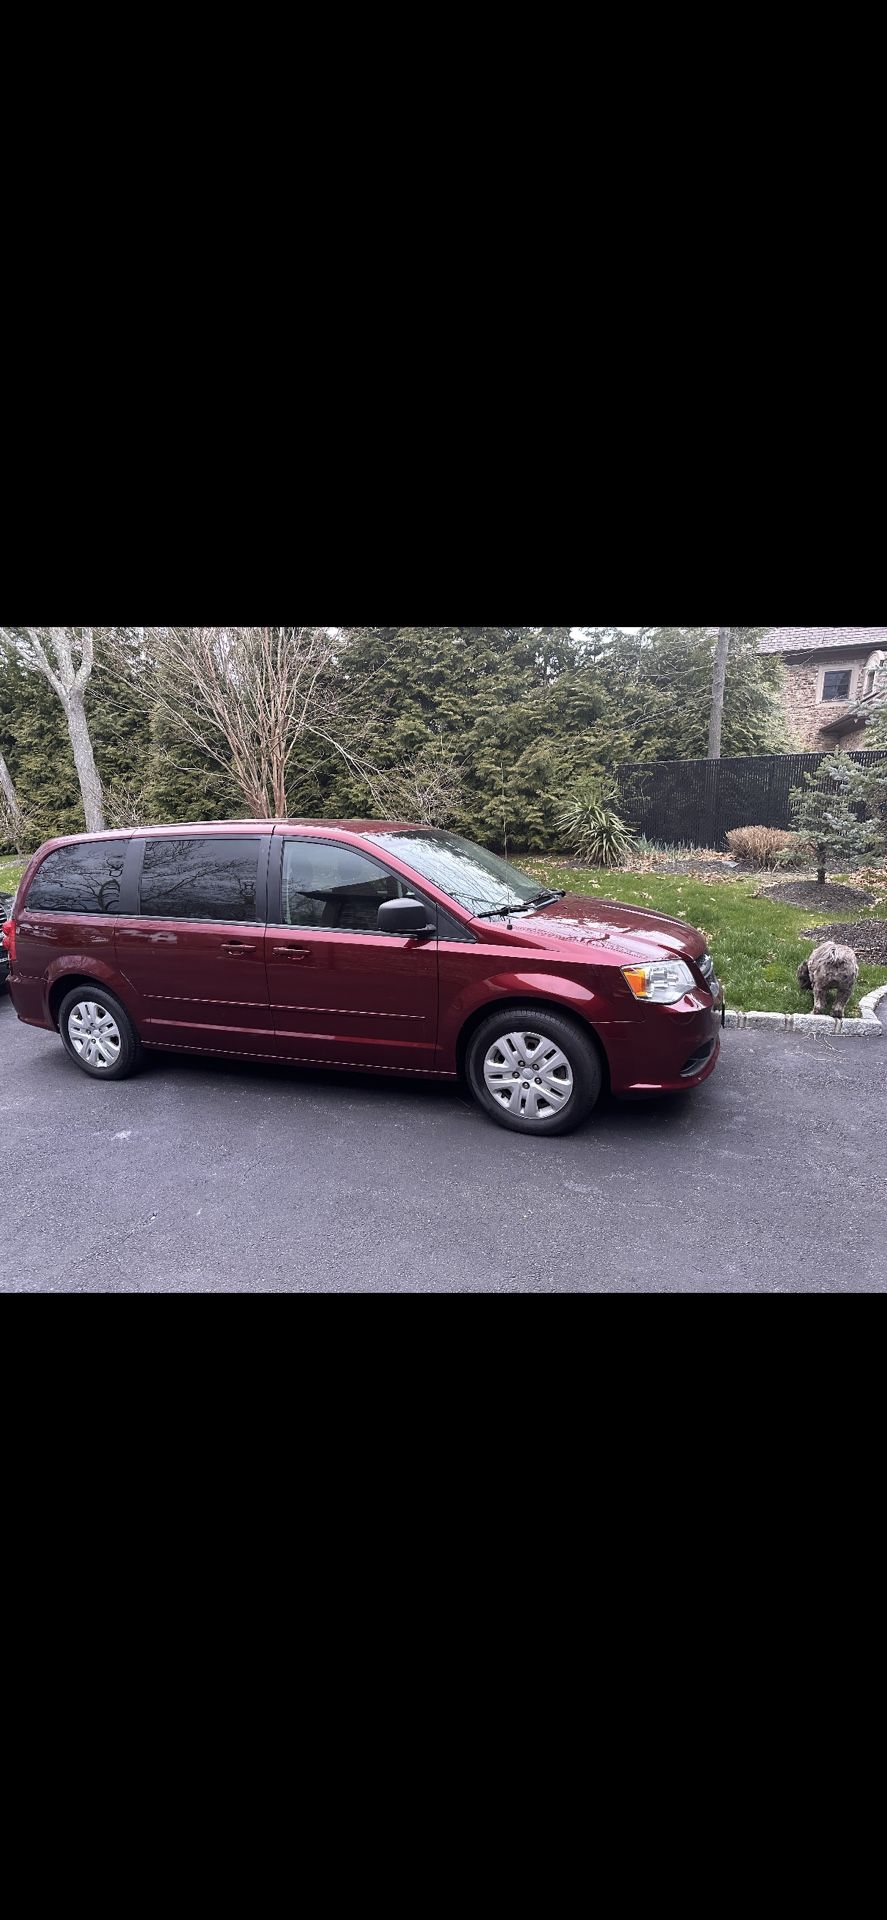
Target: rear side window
[[212, 879], [80, 879]]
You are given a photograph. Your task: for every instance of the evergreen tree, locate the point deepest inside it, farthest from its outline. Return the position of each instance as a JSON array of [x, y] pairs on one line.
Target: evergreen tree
[[514, 716], [870, 782], [825, 816]]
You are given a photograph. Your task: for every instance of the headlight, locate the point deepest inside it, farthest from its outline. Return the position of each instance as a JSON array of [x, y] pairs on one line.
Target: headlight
[[662, 984]]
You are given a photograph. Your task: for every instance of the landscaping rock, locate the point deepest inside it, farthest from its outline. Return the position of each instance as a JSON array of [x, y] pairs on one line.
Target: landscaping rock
[[817, 1025]]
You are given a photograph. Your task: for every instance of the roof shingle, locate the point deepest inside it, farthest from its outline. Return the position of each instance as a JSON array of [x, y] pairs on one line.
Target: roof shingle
[[816, 639]]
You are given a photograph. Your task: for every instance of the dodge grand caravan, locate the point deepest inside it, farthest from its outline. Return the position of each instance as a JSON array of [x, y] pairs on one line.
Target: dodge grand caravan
[[358, 945]]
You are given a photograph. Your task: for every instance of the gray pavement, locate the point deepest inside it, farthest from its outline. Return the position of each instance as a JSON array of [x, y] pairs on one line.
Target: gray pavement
[[215, 1177]]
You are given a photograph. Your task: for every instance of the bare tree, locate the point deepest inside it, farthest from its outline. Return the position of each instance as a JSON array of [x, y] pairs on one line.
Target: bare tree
[[718, 692], [126, 802], [429, 788], [7, 788], [65, 657], [246, 697], [12, 819]]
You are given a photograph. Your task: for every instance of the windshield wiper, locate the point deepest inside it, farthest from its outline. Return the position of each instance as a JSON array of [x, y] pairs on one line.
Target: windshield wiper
[[495, 913], [521, 906]]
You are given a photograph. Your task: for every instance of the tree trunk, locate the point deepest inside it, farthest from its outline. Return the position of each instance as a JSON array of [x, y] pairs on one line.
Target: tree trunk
[[13, 809], [84, 760], [717, 697], [821, 876], [7, 785]]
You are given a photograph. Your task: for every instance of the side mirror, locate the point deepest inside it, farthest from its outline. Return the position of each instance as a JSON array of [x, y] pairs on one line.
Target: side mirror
[[406, 919]]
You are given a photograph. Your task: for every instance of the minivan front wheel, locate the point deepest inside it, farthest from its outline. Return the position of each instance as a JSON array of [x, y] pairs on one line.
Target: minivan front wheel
[[534, 1072], [98, 1034]]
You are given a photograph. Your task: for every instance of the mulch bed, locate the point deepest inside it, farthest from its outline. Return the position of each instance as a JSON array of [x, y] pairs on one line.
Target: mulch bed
[[867, 937], [807, 893]]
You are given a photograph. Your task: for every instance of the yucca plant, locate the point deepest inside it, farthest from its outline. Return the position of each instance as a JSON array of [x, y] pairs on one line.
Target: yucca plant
[[592, 829]]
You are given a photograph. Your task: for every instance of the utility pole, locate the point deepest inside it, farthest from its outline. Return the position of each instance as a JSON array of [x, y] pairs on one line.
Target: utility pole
[[718, 690]]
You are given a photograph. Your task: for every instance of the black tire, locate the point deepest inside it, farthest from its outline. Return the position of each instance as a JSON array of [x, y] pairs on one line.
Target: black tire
[[551, 1102], [95, 1034]]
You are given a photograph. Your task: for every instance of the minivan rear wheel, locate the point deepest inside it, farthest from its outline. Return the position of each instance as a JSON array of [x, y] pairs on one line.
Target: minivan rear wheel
[[534, 1072], [98, 1034]]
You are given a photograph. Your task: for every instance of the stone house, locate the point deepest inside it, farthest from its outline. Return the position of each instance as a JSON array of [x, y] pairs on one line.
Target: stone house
[[835, 679]]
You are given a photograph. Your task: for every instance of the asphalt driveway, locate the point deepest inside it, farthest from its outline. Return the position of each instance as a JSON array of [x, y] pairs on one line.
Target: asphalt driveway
[[210, 1177]]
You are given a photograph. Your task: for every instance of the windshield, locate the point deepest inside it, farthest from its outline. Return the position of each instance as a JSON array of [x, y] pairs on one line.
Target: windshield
[[480, 882]]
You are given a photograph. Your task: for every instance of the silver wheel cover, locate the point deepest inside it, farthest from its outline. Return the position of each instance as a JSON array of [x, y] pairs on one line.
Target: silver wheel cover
[[94, 1035], [529, 1076]]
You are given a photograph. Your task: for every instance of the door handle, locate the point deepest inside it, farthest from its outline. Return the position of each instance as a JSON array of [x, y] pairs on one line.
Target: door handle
[[291, 953], [236, 947]]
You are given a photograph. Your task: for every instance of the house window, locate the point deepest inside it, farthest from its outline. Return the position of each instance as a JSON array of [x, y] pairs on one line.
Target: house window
[[836, 686]]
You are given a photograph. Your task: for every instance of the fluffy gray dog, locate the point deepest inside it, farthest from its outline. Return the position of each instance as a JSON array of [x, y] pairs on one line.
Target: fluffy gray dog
[[830, 967]]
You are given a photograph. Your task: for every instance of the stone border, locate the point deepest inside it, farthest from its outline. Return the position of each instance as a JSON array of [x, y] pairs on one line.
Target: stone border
[[868, 1028]]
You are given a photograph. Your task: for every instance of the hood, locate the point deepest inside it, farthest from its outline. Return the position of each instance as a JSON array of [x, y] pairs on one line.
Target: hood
[[580, 920]]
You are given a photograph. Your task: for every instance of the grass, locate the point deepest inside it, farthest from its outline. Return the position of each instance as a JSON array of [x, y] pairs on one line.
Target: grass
[[10, 874], [754, 942]]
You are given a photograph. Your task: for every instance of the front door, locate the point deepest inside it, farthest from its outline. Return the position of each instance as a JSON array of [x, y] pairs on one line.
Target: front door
[[192, 951], [342, 994]]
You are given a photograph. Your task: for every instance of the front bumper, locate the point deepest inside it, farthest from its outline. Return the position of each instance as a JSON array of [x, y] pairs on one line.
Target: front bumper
[[665, 1049]]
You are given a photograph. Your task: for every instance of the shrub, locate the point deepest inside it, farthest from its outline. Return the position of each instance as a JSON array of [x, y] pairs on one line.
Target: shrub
[[761, 846], [593, 830]]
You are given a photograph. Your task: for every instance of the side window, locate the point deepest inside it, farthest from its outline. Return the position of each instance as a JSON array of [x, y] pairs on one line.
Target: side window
[[193, 879], [329, 886], [80, 879]]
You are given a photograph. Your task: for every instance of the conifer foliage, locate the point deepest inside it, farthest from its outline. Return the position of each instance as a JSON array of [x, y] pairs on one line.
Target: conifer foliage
[[827, 818], [485, 729]]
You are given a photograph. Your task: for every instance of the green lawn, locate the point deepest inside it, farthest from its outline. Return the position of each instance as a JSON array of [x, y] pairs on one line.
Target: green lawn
[[10, 874], [755, 942]]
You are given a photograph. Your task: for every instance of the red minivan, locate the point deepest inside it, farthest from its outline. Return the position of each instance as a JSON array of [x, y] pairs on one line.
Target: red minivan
[[349, 944]]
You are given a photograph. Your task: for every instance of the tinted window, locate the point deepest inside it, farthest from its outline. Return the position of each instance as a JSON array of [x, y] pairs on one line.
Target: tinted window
[[81, 879], [328, 886], [836, 686], [212, 879]]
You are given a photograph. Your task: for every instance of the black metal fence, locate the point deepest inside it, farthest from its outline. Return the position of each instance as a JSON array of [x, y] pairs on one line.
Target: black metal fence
[[696, 802]]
